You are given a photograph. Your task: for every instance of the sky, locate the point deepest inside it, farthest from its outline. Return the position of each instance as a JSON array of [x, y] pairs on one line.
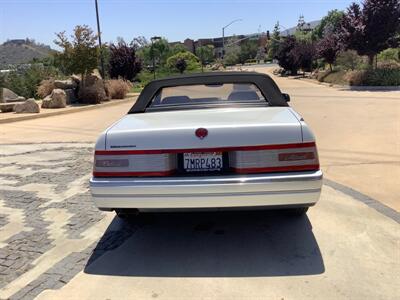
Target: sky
[[174, 19]]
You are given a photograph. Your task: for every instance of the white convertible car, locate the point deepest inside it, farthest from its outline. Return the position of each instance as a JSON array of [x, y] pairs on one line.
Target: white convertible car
[[207, 141]]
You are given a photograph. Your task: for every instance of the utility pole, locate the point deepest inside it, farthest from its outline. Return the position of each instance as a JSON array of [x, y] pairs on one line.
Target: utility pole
[[223, 35], [99, 36]]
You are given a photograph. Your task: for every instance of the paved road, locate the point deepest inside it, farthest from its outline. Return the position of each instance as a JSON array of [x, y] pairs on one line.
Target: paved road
[[55, 245]]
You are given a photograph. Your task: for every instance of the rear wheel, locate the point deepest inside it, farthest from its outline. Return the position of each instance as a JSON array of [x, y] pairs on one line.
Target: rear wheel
[[126, 213], [297, 212]]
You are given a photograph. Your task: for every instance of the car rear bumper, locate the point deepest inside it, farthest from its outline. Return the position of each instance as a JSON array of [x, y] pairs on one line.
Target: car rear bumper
[[279, 189]]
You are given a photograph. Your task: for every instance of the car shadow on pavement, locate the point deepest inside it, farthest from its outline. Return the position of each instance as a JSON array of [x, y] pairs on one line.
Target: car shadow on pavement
[[218, 244]]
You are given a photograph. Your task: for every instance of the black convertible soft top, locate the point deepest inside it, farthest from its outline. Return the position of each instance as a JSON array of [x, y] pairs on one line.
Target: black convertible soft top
[[267, 86]]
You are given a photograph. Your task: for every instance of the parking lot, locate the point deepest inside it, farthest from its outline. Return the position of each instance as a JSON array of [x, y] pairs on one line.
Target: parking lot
[[54, 244]]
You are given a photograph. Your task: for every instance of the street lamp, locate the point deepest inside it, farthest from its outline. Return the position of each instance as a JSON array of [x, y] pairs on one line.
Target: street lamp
[[99, 36], [154, 38], [223, 35]]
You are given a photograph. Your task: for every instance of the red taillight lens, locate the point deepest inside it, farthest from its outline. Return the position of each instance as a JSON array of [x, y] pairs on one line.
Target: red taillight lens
[[112, 163], [108, 164], [296, 156], [302, 158]]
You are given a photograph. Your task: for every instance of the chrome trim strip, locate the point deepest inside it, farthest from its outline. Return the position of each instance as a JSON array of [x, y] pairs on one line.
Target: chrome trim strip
[[207, 180], [208, 194]]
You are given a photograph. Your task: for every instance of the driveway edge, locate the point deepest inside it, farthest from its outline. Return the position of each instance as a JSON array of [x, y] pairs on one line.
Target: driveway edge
[[352, 87], [66, 111], [373, 203]]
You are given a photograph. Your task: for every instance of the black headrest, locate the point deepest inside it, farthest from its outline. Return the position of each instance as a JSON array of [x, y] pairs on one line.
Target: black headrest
[[243, 95], [175, 100]]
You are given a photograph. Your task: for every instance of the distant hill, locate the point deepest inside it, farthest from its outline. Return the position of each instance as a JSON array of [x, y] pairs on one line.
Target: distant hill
[[14, 52], [292, 30]]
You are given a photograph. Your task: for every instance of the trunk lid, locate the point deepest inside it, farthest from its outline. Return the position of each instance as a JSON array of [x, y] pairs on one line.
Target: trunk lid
[[227, 127]]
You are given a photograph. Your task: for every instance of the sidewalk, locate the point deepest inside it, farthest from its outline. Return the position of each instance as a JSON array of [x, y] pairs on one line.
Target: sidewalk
[[47, 112]]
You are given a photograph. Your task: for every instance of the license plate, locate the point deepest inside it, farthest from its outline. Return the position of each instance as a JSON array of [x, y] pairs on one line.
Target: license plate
[[200, 162]]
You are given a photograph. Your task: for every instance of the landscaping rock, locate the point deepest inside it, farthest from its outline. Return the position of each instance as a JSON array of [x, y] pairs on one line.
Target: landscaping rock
[[7, 107], [29, 106], [71, 99], [65, 84], [92, 89], [10, 96], [76, 79], [57, 99]]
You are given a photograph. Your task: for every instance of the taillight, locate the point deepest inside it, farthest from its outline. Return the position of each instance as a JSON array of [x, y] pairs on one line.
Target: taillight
[[111, 164], [303, 157]]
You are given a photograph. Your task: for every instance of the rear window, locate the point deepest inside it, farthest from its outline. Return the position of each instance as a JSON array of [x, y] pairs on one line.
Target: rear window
[[208, 95]]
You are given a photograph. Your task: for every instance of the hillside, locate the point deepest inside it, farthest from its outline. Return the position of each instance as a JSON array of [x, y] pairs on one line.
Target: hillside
[[21, 51]]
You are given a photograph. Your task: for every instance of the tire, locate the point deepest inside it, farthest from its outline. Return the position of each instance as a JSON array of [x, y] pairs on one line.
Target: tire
[[297, 212], [126, 214]]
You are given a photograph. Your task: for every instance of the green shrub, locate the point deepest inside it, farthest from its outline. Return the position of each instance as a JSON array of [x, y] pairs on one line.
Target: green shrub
[[192, 61], [383, 77], [388, 64], [2, 83], [25, 82], [349, 60], [374, 77], [391, 54], [231, 58]]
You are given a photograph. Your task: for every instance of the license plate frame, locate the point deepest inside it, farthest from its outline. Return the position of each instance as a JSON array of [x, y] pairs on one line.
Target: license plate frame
[[202, 162]]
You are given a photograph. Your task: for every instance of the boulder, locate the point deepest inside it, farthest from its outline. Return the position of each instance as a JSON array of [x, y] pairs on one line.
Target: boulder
[[93, 78], [7, 107], [29, 106], [10, 96], [76, 78], [92, 89], [65, 84], [71, 98], [57, 99]]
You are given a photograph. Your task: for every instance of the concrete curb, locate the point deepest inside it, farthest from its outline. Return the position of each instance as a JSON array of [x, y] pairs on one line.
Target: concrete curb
[[352, 87], [67, 111]]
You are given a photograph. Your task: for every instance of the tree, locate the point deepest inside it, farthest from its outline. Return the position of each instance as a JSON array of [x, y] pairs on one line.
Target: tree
[[232, 51], [140, 42], [275, 41], [371, 29], [330, 24], [205, 54], [301, 24], [161, 51], [178, 48], [248, 50], [304, 54], [285, 55], [191, 60], [303, 30], [349, 59], [123, 61], [80, 54], [181, 65], [328, 48]]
